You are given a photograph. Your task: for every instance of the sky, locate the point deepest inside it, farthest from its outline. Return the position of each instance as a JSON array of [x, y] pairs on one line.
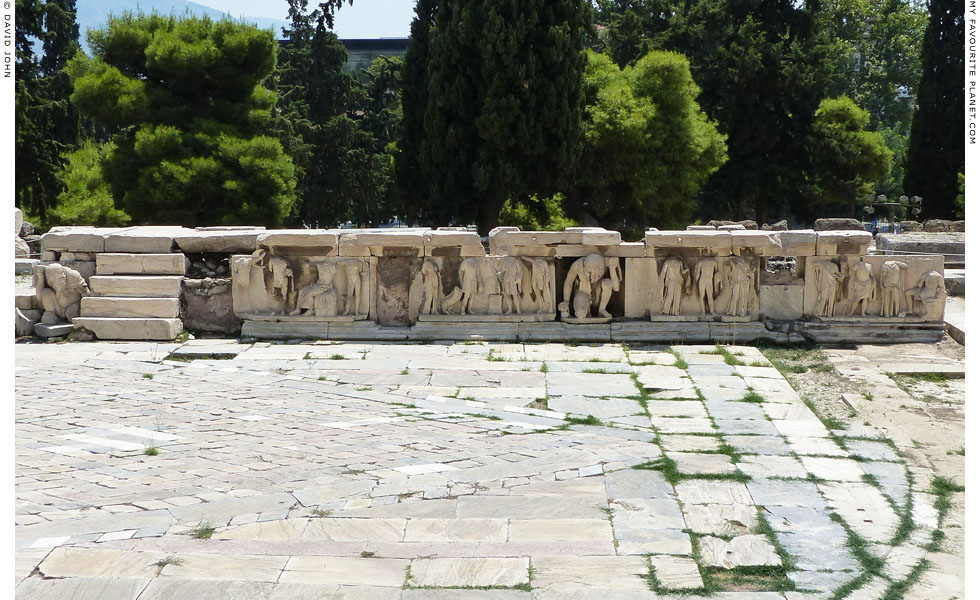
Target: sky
[[365, 19]]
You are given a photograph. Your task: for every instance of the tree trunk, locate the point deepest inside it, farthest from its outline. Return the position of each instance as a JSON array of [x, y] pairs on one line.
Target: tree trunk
[[488, 216]]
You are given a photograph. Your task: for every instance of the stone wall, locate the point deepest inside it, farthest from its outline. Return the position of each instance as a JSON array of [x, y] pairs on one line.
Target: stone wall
[[582, 283]]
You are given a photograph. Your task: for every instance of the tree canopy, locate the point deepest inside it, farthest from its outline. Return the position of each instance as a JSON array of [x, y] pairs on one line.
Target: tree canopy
[[186, 99], [648, 145], [503, 104]]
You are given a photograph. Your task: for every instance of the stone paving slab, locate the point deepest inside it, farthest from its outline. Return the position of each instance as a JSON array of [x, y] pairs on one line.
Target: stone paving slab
[[330, 477]]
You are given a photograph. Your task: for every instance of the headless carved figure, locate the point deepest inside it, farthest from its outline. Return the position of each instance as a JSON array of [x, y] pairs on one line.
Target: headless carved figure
[[469, 281], [740, 279], [673, 278], [431, 288], [708, 284], [892, 288], [862, 288]]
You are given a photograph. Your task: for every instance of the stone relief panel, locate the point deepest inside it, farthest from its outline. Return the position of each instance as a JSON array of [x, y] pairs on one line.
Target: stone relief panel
[[692, 288], [59, 291], [590, 283], [901, 288], [490, 288], [304, 287]]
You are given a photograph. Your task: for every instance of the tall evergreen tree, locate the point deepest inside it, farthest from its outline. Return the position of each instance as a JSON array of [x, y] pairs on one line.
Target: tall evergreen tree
[[412, 178], [47, 123], [936, 141], [503, 113]]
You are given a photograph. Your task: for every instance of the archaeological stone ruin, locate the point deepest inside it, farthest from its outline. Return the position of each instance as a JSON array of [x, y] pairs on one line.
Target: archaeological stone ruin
[[580, 284]]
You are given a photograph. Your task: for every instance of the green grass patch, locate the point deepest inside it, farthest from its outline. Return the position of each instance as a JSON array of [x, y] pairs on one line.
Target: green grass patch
[[752, 396], [203, 531], [588, 420], [147, 375], [898, 589]]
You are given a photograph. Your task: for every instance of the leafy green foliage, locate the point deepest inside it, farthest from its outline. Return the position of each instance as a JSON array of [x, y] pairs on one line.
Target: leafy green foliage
[[536, 214], [502, 112], [187, 100], [936, 151], [87, 199], [847, 159], [648, 145]]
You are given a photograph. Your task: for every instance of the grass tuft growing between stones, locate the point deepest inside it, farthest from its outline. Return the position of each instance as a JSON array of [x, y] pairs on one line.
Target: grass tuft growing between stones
[[170, 559], [203, 531], [898, 589], [151, 451], [752, 396], [668, 467], [588, 420], [764, 527]]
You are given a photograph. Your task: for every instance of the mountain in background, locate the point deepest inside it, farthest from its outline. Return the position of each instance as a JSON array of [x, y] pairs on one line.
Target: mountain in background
[[93, 14]]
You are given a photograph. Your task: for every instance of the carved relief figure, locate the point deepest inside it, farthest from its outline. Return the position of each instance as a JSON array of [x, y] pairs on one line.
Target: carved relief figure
[[469, 280], [59, 290], [581, 283], [431, 288], [609, 285], [673, 281], [511, 275], [540, 283], [741, 280], [709, 283], [862, 288], [892, 288], [928, 297], [283, 283], [352, 269], [320, 297], [828, 277]]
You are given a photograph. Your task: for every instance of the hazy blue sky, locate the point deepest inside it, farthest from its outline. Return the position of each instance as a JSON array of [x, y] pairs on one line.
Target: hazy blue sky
[[365, 19]]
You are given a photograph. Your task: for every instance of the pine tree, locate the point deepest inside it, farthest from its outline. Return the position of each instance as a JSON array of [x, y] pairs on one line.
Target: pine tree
[[186, 98], [936, 141], [503, 113]]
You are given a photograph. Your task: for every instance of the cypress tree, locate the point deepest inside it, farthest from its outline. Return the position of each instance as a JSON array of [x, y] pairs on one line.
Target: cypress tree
[[504, 106], [47, 123], [412, 179], [936, 152]]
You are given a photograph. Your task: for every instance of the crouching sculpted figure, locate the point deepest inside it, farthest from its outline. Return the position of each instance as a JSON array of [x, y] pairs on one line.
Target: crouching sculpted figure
[[928, 297], [585, 286], [320, 297], [59, 290]]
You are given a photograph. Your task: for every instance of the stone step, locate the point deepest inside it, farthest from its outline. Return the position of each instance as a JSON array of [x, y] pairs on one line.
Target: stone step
[[140, 264], [103, 306], [108, 328], [135, 286]]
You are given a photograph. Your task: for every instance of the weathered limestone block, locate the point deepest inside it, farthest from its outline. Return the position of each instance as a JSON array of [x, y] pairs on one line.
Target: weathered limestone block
[[485, 288], [781, 302], [18, 220], [26, 299], [77, 239], [899, 288], [302, 287], [508, 240], [304, 242], [224, 240], [951, 245], [101, 306], [23, 325], [207, 305], [21, 249], [756, 243], [157, 286], [59, 292], [831, 243], [838, 224], [447, 242], [384, 242], [141, 264], [107, 328], [640, 293], [688, 243], [146, 239], [85, 268], [800, 242], [706, 288]]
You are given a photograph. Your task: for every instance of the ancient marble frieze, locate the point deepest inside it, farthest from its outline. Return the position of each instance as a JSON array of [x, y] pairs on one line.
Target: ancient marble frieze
[[487, 288], [700, 288], [896, 288]]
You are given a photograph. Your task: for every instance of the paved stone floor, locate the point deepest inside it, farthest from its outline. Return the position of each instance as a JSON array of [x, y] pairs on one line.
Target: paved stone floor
[[217, 469]]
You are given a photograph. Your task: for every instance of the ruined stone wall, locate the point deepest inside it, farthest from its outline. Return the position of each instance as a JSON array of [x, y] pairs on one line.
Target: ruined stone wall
[[582, 283]]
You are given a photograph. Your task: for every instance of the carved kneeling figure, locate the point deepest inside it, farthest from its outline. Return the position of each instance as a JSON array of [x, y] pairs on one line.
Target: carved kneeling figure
[[319, 298], [59, 290]]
